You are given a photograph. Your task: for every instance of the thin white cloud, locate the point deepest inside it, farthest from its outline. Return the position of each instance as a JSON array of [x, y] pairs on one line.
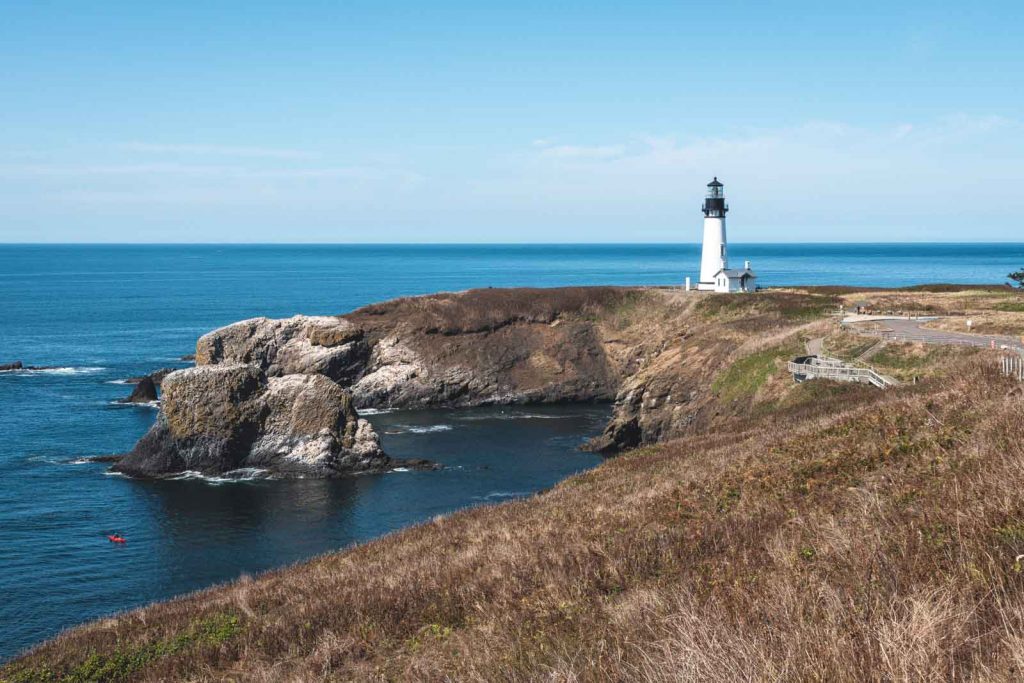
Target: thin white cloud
[[919, 173], [584, 152], [204, 171], [218, 150]]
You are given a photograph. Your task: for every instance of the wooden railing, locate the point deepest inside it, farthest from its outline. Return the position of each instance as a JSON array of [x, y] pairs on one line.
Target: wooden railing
[[1012, 366]]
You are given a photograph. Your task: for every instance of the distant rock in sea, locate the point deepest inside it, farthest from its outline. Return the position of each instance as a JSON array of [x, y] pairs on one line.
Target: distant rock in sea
[[157, 377], [18, 365], [144, 391]]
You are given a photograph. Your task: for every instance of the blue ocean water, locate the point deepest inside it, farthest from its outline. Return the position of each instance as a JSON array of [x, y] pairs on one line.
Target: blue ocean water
[[103, 313]]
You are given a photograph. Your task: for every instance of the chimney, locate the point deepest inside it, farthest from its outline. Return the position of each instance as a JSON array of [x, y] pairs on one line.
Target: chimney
[[746, 265]]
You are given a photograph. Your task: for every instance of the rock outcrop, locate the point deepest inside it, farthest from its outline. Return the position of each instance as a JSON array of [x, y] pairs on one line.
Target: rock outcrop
[[18, 365], [144, 391], [146, 386], [322, 345], [156, 376], [654, 353], [218, 418], [489, 346], [472, 348]]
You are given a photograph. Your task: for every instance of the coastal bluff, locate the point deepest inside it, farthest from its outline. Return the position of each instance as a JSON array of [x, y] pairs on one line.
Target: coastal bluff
[[284, 394], [752, 498]]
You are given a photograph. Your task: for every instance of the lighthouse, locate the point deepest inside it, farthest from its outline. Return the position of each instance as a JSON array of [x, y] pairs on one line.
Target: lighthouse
[[715, 275]]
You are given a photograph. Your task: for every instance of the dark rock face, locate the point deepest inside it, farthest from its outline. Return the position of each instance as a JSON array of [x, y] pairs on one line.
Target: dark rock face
[[617, 436], [144, 392], [493, 347], [146, 386], [653, 352], [474, 348], [18, 365], [215, 419]]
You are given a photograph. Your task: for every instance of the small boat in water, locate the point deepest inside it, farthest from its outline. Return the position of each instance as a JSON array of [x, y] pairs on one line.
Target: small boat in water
[[117, 538]]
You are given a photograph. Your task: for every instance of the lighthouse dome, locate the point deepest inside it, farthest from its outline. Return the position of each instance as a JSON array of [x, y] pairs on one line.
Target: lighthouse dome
[[715, 183]]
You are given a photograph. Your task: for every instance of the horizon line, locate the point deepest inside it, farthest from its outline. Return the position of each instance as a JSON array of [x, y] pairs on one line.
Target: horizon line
[[487, 244]]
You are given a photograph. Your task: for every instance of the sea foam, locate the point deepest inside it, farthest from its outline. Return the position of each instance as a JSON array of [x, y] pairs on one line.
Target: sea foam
[[56, 371], [231, 477], [429, 430]]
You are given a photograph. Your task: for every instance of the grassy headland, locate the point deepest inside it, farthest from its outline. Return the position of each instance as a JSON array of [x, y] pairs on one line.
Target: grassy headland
[[815, 532]]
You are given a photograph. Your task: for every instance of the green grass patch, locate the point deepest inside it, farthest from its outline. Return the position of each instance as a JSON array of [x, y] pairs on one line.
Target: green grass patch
[[1010, 306], [812, 309], [904, 363], [744, 377], [1011, 532], [122, 663], [787, 305], [632, 308]]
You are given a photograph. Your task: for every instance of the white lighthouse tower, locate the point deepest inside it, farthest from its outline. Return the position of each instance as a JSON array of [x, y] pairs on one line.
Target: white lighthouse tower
[[715, 275], [714, 256]]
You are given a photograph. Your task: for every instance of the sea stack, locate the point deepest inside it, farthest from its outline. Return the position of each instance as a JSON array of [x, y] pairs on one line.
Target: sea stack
[[218, 418]]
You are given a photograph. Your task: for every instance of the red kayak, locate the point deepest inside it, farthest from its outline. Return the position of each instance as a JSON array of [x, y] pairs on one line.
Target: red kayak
[[114, 538]]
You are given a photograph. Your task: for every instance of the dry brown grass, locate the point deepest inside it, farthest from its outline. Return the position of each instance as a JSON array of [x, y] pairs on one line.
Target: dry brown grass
[[869, 540], [937, 300], [1009, 322], [480, 310]]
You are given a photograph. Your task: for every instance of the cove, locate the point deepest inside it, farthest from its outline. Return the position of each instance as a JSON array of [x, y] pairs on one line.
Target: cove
[[186, 534]]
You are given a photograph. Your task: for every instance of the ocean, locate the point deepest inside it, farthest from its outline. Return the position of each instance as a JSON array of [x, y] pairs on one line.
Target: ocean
[[99, 314]]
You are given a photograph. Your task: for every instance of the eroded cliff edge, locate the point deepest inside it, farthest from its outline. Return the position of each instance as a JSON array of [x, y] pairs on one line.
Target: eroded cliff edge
[[283, 394]]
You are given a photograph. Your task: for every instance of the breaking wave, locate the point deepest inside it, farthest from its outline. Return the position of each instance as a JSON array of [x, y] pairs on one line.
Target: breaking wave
[[503, 495], [147, 404], [230, 477], [374, 411], [428, 430], [512, 416], [89, 370]]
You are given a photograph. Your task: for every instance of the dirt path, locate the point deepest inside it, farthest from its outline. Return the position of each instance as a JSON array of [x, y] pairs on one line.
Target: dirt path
[[814, 346]]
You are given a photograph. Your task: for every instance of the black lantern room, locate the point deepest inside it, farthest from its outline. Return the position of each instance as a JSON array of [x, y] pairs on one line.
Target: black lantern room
[[714, 201]]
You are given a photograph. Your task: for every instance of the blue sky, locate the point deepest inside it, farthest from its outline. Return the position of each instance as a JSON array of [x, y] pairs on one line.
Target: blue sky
[[530, 122]]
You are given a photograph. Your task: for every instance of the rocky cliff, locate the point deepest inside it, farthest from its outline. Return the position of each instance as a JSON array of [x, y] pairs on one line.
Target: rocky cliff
[[472, 348], [280, 393]]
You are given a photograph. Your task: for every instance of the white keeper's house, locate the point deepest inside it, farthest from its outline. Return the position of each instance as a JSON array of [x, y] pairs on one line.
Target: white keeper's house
[[715, 274]]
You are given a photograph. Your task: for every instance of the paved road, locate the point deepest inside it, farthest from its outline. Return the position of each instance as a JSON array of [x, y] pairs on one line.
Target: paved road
[[911, 330]]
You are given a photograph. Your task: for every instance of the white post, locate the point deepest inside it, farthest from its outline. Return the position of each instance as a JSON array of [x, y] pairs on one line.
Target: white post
[[687, 284]]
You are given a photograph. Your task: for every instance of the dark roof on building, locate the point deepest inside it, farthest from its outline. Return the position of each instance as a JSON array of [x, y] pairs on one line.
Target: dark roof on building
[[736, 272], [715, 183]]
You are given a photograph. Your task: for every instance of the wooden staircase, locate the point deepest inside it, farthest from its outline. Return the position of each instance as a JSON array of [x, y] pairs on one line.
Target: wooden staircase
[[823, 367]]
